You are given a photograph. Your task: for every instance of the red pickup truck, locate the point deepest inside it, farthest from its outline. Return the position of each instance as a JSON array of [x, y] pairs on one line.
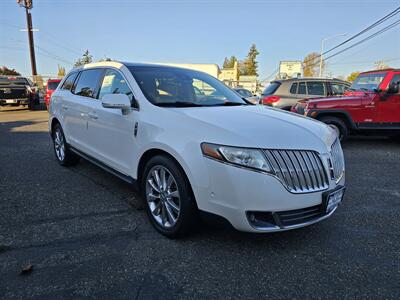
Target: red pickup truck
[[370, 106]]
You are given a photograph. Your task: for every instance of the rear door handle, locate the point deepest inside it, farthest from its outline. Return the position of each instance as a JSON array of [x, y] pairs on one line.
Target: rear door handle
[[92, 115], [63, 106]]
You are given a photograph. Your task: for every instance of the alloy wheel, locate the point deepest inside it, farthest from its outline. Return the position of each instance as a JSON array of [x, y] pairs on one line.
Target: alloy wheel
[[162, 195], [59, 144]]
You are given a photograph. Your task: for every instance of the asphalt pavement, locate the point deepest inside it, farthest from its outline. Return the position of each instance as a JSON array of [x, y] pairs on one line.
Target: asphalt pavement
[[81, 233]]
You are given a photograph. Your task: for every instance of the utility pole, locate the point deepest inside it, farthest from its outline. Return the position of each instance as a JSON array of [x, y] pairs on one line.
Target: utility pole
[[27, 4], [322, 50]]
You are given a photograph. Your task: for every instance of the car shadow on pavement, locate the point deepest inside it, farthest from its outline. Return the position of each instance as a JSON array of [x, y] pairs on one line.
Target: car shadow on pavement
[[5, 109]]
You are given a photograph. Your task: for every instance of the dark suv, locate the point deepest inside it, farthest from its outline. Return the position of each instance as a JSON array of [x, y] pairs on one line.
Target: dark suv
[[17, 90], [286, 92]]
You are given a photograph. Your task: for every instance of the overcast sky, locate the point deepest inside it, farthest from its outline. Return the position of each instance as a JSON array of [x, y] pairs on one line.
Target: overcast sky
[[195, 31]]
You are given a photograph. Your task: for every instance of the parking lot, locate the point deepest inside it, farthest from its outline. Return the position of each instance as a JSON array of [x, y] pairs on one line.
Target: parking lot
[[84, 234]]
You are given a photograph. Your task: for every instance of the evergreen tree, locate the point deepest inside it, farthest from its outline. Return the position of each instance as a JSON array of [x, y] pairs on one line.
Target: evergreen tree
[[250, 63], [6, 71], [86, 58], [61, 71], [229, 62]]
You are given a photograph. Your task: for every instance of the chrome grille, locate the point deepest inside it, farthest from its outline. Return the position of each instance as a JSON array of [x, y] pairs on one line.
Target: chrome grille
[[301, 171], [337, 160]]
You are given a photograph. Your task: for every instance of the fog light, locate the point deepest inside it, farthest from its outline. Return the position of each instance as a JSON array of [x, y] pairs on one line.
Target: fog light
[[252, 217]]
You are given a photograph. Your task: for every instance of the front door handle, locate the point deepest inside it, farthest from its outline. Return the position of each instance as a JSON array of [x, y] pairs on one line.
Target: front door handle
[[92, 115]]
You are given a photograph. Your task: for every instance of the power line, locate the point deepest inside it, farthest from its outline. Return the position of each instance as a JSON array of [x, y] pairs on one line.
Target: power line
[[50, 37], [394, 24], [42, 52], [47, 52], [271, 75], [54, 55], [380, 21], [45, 34], [363, 62]]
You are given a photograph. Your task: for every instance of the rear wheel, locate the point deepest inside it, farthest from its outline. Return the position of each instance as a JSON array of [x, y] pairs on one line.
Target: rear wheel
[[31, 104], [64, 155], [169, 200], [338, 125]]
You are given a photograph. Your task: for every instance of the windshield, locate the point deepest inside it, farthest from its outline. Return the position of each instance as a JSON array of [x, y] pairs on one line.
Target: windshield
[[367, 82], [273, 86], [52, 85], [14, 80], [244, 93], [174, 87]]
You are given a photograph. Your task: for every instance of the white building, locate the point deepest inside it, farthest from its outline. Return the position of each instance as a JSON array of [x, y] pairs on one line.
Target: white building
[[211, 69], [290, 69]]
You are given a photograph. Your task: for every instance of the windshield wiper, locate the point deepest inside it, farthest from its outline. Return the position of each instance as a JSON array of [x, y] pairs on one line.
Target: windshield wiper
[[229, 104], [248, 102], [178, 104]]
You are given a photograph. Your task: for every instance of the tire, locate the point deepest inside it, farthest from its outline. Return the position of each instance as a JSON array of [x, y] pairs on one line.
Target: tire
[[338, 124], [395, 138], [31, 105], [168, 201], [65, 157]]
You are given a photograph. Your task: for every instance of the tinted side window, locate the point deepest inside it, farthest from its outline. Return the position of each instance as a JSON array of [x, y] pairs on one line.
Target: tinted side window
[[270, 89], [114, 83], [302, 88], [316, 88], [69, 82], [395, 79], [337, 88], [88, 82], [293, 88]]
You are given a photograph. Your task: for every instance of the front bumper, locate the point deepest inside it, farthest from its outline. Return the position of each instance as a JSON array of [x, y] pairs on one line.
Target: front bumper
[[235, 193]]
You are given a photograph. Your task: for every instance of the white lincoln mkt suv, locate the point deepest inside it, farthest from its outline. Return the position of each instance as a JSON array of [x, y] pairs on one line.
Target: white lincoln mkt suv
[[191, 144]]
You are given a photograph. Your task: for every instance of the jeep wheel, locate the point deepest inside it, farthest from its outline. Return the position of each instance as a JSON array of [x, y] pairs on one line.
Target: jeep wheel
[[338, 125]]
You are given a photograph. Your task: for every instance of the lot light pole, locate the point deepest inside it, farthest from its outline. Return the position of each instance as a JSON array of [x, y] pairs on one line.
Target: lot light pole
[[322, 50], [27, 4]]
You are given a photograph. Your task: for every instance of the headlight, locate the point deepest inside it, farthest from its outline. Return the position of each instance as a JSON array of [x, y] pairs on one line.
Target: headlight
[[245, 157]]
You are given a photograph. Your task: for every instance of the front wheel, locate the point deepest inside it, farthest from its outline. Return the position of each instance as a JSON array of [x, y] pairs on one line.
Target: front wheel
[[338, 125], [64, 155], [169, 200], [31, 104]]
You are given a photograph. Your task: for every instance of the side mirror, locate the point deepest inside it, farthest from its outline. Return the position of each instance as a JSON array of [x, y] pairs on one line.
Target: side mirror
[[393, 88], [117, 101]]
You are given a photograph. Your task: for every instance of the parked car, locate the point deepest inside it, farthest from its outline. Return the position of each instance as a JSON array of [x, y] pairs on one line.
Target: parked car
[[285, 93], [191, 152], [50, 88], [370, 106], [247, 95], [17, 90]]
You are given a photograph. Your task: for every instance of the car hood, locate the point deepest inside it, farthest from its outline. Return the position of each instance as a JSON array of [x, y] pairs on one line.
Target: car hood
[[349, 97], [258, 127]]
